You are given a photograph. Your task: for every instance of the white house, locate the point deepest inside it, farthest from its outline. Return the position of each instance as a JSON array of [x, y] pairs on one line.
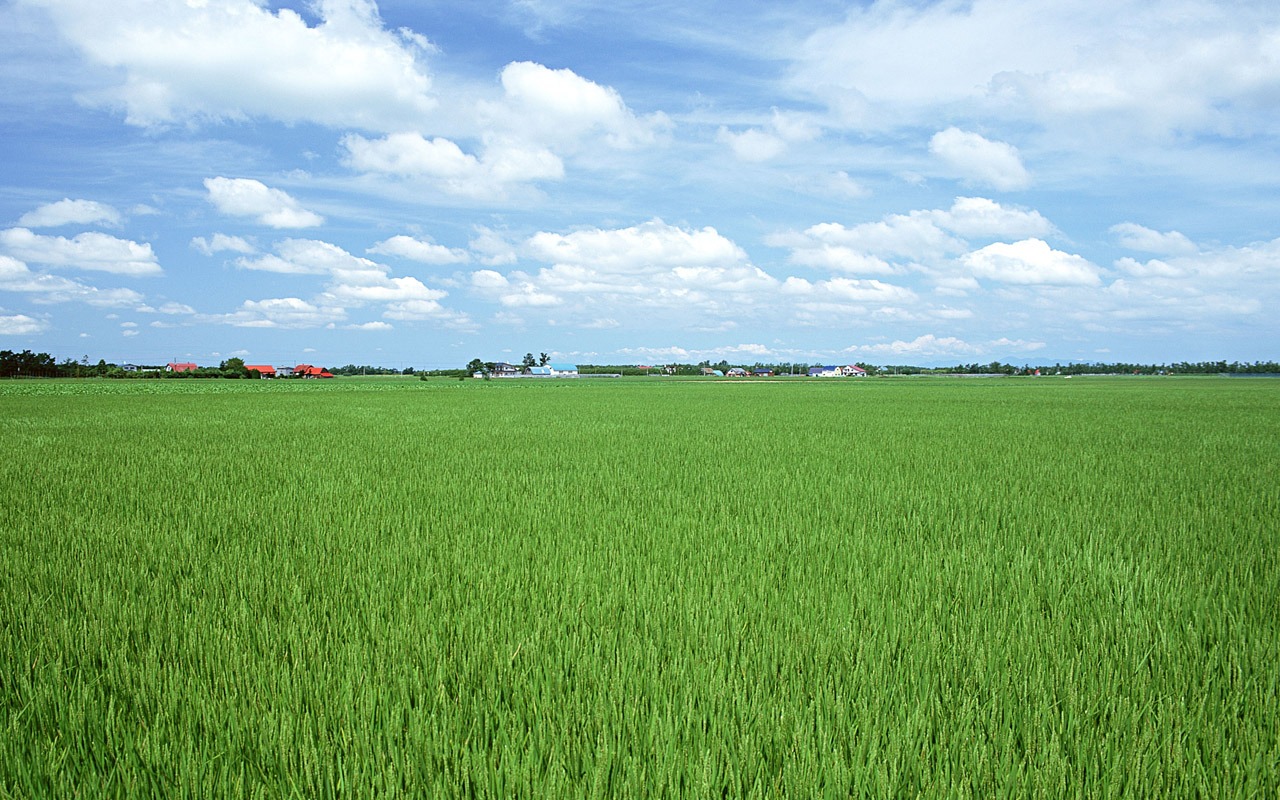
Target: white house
[[853, 371], [564, 370]]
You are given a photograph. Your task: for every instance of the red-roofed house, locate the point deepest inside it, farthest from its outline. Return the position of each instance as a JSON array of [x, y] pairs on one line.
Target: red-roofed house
[[264, 370], [181, 366]]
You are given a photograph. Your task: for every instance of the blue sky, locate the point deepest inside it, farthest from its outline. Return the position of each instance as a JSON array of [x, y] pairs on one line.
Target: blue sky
[[423, 183]]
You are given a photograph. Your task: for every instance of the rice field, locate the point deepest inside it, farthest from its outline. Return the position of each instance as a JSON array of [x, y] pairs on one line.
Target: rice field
[[640, 588]]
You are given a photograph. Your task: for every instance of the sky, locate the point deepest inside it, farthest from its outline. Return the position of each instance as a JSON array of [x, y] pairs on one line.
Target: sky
[[421, 183]]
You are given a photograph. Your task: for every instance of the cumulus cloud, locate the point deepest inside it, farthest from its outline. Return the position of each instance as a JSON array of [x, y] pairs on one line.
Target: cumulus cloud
[[980, 217], [901, 242], [221, 242], [21, 325], [975, 158], [932, 346], [353, 281], [504, 163], [1137, 237], [560, 109], [926, 345], [752, 144], [421, 250], [369, 326], [70, 212], [15, 276], [283, 312], [238, 59], [652, 264], [1031, 261], [772, 139], [1059, 62], [88, 251], [245, 197]]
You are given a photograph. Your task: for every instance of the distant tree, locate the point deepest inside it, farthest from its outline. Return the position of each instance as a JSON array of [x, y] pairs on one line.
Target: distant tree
[[543, 359], [528, 361], [475, 365], [233, 363]]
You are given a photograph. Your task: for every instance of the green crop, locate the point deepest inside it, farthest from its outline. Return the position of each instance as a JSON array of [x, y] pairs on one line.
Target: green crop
[[648, 588]]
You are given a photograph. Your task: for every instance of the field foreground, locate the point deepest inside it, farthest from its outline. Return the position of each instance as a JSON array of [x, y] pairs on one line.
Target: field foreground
[[640, 588]]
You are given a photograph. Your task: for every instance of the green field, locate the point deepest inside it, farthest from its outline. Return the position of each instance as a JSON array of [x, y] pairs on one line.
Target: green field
[[640, 588]]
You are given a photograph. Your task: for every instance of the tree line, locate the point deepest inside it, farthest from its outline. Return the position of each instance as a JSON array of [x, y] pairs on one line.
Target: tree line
[[28, 364]]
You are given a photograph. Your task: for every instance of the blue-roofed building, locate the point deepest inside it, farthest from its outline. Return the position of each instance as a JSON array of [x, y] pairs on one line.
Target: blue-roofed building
[[540, 372]]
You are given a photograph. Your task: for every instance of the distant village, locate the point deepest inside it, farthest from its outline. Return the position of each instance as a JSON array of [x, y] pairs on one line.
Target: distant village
[[28, 364], [252, 370]]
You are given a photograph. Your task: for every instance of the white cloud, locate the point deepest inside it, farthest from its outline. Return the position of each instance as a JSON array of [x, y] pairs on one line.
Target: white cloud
[[649, 247], [237, 59], [245, 197], [980, 217], [902, 242], [410, 154], [21, 325], [170, 309], [1062, 63], [975, 158], [283, 312], [560, 108], [355, 281], [752, 144], [421, 250], [913, 236], [70, 212], [771, 140], [15, 276], [738, 352], [369, 326], [89, 251], [1137, 237], [492, 247], [931, 346], [1031, 261], [220, 243], [927, 345], [503, 165], [653, 265]]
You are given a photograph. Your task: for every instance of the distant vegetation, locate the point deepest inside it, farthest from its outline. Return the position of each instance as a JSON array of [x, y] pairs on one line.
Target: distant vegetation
[[874, 588], [42, 365]]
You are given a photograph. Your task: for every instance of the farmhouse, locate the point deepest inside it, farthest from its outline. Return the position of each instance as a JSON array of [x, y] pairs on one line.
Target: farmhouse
[[284, 372], [564, 370], [181, 366], [850, 371], [264, 370], [504, 370], [737, 372], [308, 371], [763, 373]]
